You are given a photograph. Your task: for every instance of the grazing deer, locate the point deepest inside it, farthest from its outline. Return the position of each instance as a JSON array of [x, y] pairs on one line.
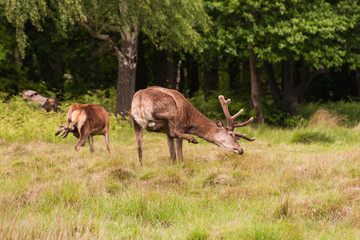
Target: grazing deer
[[87, 120], [158, 109]]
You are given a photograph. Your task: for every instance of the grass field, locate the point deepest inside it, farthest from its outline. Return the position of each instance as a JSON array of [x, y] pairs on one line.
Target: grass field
[[301, 183]]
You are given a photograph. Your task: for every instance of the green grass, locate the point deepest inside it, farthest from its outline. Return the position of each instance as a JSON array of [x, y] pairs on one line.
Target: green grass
[[279, 189], [308, 136]]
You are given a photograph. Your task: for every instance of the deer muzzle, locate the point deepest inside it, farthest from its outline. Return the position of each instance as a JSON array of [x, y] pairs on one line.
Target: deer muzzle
[[239, 151]]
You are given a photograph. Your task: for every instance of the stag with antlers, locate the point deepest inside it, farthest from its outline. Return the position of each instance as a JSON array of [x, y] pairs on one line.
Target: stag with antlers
[[87, 120], [167, 111]]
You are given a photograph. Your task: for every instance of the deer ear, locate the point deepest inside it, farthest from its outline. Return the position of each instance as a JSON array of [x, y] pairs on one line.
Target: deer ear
[[219, 123]]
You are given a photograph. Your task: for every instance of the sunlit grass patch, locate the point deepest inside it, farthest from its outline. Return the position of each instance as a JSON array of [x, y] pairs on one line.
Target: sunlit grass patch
[[278, 189], [323, 117], [198, 234], [309, 135]]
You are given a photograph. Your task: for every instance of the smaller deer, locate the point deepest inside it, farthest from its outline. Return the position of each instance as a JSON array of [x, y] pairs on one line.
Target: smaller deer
[[87, 120], [158, 109]]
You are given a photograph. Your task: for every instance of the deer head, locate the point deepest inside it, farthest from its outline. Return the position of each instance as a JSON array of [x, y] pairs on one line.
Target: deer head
[[226, 137], [73, 129]]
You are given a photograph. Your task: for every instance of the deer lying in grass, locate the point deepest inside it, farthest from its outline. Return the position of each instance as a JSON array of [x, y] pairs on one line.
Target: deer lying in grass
[[87, 120], [164, 110]]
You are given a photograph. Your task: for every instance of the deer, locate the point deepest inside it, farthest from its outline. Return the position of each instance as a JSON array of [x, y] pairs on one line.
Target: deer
[[167, 111], [87, 120]]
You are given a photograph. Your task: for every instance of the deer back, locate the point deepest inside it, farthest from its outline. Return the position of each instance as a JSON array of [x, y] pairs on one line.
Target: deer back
[[94, 116], [156, 104]]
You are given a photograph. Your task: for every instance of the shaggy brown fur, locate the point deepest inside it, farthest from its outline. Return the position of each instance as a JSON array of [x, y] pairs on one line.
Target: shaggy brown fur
[[167, 111], [87, 120]]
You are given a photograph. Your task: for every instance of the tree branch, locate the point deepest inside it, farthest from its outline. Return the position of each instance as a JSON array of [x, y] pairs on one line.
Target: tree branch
[[105, 38]]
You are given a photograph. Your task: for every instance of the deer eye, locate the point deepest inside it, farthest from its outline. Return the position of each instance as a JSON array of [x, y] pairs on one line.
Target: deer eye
[[231, 134]]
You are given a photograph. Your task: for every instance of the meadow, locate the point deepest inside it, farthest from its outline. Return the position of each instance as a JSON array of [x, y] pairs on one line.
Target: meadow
[[291, 183]]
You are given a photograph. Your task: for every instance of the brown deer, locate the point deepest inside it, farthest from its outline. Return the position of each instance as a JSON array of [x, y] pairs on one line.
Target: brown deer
[[87, 120], [158, 109]]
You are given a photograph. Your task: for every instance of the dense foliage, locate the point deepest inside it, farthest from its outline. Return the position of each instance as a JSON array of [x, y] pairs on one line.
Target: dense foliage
[[294, 61], [304, 51]]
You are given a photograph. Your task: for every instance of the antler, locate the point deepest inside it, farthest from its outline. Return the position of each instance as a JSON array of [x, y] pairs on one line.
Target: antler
[[61, 128], [229, 118], [66, 132], [239, 135]]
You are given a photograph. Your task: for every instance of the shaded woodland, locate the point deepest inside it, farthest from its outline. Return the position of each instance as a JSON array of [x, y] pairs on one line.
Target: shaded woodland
[[269, 56]]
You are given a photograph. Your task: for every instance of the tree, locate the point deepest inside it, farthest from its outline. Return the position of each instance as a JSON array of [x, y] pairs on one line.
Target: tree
[[301, 38], [169, 24], [211, 77], [164, 68], [351, 10], [304, 39], [235, 31]]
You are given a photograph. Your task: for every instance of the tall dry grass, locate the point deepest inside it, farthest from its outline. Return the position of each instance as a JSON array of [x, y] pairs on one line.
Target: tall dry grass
[[277, 190], [325, 118]]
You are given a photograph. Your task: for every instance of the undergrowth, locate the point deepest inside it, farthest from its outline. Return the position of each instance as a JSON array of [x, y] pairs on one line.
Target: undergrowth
[[309, 135], [280, 188]]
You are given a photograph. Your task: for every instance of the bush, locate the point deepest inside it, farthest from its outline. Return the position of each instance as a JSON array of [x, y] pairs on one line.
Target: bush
[[325, 118], [22, 121], [348, 110], [275, 117], [105, 98], [282, 119], [212, 109], [310, 135], [346, 113]]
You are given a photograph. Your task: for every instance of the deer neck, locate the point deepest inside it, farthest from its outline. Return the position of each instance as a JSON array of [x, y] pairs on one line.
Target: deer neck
[[202, 126]]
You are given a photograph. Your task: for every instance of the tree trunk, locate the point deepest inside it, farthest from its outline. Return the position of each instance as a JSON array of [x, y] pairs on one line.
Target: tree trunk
[[141, 73], [127, 58], [295, 78], [358, 81], [274, 88], [16, 58], [164, 71], [211, 78], [234, 74], [178, 76], [126, 73], [193, 77], [171, 70], [28, 64], [95, 56], [255, 87], [58, 68], [290, 92]]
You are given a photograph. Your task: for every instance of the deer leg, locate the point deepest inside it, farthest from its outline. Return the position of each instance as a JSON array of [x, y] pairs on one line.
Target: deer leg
[[139, 136], [68, 121], [191, 139], [179, 148], [107, 138], [80, 143], [82, 139], [66, 128], [91, 142], [173, 132], [171, 145]]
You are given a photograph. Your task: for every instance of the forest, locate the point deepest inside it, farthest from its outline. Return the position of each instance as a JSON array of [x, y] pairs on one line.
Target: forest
[[271, 56], [292, 65]]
